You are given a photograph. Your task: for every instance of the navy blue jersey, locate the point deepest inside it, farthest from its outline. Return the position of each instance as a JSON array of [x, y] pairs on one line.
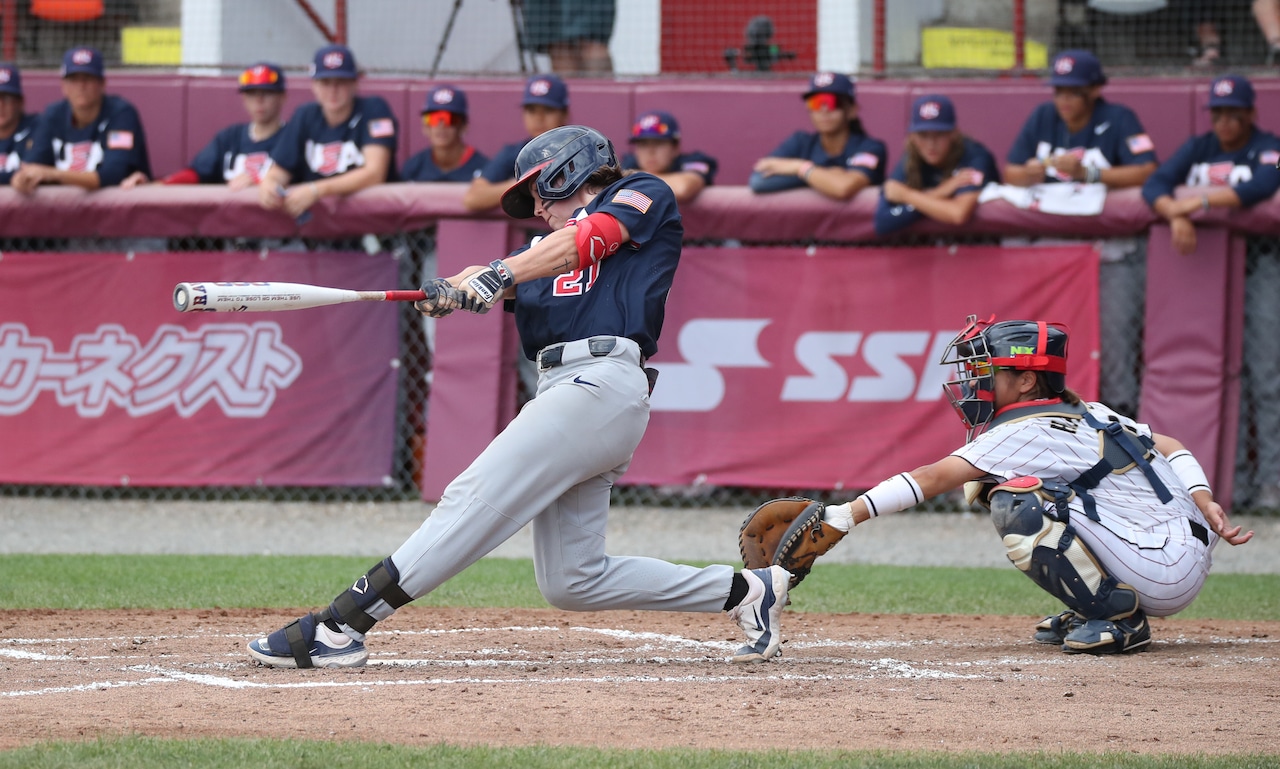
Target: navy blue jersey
[[892, 216], [13, 148], [1201, 162], [623, 295], [502, 166], [422, 167], [861, 153], [114, 145], [689, 162], [310, 149], [1113, 137], [233, 152]]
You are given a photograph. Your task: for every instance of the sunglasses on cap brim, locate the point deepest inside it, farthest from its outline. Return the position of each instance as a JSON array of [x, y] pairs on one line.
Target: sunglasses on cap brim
[[259, 76], [822, 101], [440, 118]]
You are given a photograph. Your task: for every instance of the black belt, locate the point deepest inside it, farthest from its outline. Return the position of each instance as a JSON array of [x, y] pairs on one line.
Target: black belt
[[1199, 532], [599, 347]]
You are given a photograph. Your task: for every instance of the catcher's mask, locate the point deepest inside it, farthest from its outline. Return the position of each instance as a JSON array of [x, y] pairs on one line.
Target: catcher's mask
[[561, 160], [984, 347]]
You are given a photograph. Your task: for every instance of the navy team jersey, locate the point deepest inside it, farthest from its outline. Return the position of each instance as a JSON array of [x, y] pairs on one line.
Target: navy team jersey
[[623, 295], [688, 162], [310, 149], [891, 217], [13, 148], [502, 166], [1113, 137], [1201, 162], [422, 167], [861, 153], [233, 152], [114, 145]]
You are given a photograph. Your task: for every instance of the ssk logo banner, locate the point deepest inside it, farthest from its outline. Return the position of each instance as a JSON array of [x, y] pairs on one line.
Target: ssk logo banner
[[102, 382], [822, 371]]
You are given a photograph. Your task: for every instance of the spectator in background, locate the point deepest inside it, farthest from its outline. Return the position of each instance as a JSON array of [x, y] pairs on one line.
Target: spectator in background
[[240, 155], [16, 127], [1267, 14], [449, 158], [655, 149], [1237, 160], [89, 139], [545, 106], [1205, 15], [339, 144], [573, 33], [837, 160], [1079, 136], [941, 172]]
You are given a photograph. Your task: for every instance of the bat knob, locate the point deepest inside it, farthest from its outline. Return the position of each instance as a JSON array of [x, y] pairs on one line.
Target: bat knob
[[182, 297]]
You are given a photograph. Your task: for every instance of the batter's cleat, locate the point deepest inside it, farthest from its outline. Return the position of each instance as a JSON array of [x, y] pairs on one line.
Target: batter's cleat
[[1103, 636], [759, 613], [299, 645], [1053, 629]]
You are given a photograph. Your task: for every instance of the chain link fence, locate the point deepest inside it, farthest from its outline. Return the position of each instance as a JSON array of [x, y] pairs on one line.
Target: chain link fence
[[1258, 465]]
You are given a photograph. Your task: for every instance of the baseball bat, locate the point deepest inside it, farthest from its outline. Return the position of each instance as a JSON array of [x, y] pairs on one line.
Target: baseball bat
[[273, 297]]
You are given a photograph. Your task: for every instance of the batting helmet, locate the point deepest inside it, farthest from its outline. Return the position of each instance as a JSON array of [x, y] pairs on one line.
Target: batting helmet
[[985, 346], [561, 159]]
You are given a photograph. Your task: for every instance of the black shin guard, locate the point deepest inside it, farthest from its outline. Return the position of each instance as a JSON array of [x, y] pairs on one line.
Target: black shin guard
[[382, 582]]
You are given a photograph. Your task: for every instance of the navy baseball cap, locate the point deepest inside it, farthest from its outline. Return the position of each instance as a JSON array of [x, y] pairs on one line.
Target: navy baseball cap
[[1074, 69], [334, 62], [83, 60], [446, 98], [933, 112], [655, 125], [830, 82], [10, 79], [547, 90], [263, 76], [1231, 91]]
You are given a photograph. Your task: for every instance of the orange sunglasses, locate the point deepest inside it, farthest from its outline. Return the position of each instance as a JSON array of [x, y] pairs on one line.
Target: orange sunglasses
[[822, 101], [439, 118]]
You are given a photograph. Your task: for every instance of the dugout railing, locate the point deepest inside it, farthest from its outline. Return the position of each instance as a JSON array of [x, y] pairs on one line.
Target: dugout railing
[[1222, 396]]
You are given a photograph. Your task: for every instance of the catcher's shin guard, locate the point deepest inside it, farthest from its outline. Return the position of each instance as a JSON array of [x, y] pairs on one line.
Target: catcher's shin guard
[[1044, 546], [381, 582]]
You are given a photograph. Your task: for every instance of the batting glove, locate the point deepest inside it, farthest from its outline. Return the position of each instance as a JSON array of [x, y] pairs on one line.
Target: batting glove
[[488, 284], [441, 298]]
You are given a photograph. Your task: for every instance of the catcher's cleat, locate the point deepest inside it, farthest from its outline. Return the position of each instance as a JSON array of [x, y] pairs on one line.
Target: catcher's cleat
[[758, 614], [303, 644], [1102, 636], [1054, 628]]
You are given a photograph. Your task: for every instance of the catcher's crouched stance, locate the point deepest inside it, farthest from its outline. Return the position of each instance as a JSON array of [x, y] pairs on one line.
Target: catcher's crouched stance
[[1113, 520]]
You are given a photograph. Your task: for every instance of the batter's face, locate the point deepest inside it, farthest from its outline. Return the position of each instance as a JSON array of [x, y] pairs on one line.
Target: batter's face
[[336, 95], [10, 113], [263, 107], [933, 146], [83, 91], [655, 156], [539, 118], [557, 213]]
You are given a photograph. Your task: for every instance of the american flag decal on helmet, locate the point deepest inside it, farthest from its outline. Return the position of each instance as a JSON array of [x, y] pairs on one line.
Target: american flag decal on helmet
[[637, 200]]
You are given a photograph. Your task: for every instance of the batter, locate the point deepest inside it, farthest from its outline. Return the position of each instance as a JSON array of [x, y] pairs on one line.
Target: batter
[[589, 302]]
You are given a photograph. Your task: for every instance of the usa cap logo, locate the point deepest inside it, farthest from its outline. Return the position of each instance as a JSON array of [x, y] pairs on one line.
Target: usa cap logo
[[1064, 65], [443, 96], [930, 110], [333, 60], [82, 56], [1223, 87], [823, 79], [540, 87]]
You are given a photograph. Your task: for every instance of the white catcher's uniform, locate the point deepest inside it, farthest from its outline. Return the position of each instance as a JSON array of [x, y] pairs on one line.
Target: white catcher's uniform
[[1139, 540]]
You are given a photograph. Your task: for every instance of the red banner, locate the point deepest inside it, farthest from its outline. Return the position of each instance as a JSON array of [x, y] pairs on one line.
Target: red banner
[[102, 382], [822, 372]]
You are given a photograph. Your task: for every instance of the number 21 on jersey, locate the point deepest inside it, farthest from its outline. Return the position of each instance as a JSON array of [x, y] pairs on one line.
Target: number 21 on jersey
[[577, 282]]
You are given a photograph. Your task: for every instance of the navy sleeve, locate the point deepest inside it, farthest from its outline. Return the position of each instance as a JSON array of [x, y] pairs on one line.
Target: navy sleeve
[[1266, 177], [761, 183], [891, 217], [791, 147], [208, 163], [475, 166], [862, 160], [643, 203], [699, 163], [979, 159], [1171, 173], [41, 149], [414, 167], [289, 147], [379, 125], [503, 165], [124, 147], [1024, 146], [1136, 146]]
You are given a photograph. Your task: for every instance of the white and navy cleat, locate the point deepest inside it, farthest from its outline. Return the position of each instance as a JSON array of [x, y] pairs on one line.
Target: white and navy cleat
[[759, 612]]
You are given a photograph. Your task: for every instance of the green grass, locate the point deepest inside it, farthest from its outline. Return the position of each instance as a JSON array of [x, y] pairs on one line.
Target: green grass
[[130, 752], [195, 582]]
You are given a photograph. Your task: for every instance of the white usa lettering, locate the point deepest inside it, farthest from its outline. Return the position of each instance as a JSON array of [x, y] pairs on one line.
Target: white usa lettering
[[1218, 174], [333, 158]]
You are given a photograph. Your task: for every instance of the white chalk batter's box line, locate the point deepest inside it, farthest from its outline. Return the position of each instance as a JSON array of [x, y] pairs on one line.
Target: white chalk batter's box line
[[1004, 668]]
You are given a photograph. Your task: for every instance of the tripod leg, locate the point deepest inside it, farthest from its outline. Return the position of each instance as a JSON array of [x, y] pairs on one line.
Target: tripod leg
[[444, 40], [517, 22]]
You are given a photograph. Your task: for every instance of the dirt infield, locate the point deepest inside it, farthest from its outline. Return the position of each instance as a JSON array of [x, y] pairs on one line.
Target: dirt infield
[[645, 680]]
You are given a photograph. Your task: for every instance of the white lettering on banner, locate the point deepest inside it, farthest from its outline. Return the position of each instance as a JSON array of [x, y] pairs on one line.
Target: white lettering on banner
[[707, 344], [710, 344], [237, 366]]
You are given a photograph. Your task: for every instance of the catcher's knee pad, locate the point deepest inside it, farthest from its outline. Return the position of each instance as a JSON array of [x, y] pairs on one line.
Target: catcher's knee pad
[[381, 582], [1047, 550]]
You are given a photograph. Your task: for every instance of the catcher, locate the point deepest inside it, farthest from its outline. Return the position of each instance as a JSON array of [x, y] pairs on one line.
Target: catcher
[[1113, 520]]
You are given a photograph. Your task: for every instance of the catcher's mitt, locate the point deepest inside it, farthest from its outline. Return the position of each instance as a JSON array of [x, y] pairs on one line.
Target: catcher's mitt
[[788, 533]]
